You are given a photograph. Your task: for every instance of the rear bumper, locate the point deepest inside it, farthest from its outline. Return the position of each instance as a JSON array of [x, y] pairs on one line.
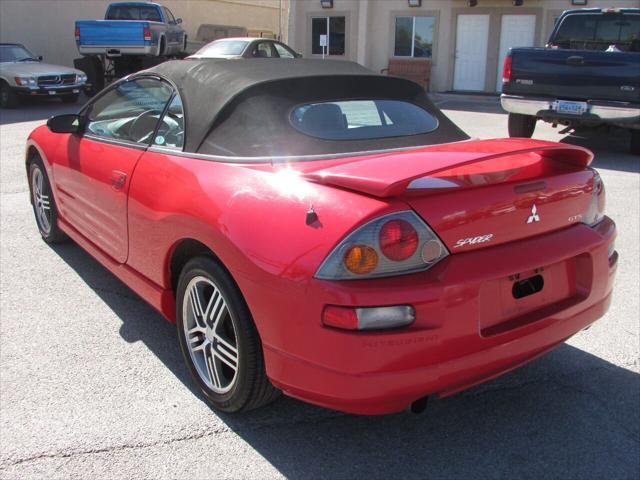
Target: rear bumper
[[447, 349], [117, 51], [598, 111]]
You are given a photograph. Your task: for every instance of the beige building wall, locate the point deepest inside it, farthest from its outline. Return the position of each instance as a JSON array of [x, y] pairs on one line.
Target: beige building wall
[[46, 27], [370, 31]]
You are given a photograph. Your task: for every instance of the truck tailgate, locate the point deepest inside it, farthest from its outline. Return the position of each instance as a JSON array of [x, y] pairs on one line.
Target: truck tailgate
[[575, 74], [111, 33]]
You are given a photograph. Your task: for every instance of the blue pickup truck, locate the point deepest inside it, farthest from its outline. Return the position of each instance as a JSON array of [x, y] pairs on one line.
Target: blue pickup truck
[[132, 28], [587, 75]]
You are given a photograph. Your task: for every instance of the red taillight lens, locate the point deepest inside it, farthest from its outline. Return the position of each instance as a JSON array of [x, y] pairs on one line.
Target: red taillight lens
[[77, 33], [146, 32], [340, 317], [398, 240], [506, 70]]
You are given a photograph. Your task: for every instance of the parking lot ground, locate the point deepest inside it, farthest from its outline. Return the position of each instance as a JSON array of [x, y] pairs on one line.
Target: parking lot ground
[[92, 384]]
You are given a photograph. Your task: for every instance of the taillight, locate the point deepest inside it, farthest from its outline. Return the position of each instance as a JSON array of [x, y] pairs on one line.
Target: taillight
[[368, 318], [146, 33], [77, 33], [506, 69], [393, 244], [398, 240], [595, 212]]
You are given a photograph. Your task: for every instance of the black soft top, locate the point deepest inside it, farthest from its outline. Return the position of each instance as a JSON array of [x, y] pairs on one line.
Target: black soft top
[[211, 89]]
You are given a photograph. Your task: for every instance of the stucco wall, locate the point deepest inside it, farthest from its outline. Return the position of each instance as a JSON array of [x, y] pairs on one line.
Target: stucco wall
[[370, 24], [46, 26]]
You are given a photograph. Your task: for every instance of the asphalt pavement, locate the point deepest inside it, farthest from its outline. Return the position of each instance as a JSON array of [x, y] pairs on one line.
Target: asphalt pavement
[[92, 384]]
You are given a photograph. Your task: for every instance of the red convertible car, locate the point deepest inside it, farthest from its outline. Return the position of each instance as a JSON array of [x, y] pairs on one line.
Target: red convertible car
[[317, 229]]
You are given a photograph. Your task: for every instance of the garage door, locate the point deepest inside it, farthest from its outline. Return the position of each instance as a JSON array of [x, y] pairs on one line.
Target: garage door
[[515, 31], [472, 36]]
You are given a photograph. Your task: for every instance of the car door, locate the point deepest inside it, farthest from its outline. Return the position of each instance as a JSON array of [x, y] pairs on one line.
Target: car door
[[94, 173], [174, 31]]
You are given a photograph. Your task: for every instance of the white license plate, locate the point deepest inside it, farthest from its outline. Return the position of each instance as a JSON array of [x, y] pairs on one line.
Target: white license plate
[[52, 92], [572, 108]]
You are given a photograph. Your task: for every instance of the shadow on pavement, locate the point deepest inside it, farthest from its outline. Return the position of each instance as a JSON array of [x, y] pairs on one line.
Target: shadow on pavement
[[467, 103], [31, 109], [569, 414], [610, 146]]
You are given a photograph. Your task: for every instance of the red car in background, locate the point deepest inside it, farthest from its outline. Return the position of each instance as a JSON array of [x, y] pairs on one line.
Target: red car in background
[[317, 229]]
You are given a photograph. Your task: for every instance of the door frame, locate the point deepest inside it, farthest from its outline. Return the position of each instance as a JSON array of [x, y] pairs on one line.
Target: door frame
[[495, 19]]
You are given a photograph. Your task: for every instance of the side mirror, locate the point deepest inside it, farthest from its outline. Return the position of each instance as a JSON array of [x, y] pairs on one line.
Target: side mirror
[[67, 123], [40, 57], [178, 21], [298, 55]]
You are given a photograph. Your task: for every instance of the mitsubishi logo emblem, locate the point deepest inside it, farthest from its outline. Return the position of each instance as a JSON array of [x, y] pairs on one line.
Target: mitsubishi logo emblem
[[534, 217]]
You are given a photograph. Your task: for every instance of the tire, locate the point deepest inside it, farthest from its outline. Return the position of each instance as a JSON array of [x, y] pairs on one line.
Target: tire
[[73, 98], [635, 142], [161, 47], [8, 97], [208, 347], [41, 198], [521, 125]]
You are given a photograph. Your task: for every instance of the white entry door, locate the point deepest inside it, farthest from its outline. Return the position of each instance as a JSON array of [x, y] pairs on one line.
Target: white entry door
[[472, 36], [515, 31]]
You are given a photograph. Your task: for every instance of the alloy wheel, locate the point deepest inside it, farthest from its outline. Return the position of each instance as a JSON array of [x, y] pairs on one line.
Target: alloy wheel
[[210, 334], [41, 200]]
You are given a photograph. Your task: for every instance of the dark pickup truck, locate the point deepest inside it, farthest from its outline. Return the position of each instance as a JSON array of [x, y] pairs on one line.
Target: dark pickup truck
[[587, 75]]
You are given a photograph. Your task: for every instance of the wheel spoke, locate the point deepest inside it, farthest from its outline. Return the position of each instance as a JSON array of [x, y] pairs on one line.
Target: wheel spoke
[[224, 342], [196, 306], [225, 355], [219, 310], [212, 371], [205, 314]]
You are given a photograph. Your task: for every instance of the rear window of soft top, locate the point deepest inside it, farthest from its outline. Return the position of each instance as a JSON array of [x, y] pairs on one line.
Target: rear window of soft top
[[362, 119]]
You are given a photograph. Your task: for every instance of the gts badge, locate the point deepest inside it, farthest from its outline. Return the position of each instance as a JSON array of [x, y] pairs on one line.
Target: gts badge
[[473, 240]]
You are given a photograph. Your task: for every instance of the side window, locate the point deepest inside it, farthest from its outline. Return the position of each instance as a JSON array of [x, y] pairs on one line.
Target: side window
[[130, 111], [282, 51], [264, 50], [169, 16], [171, 130]]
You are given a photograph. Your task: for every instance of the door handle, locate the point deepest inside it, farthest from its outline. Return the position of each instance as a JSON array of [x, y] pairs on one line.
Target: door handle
[[118, 179], [575, 60]]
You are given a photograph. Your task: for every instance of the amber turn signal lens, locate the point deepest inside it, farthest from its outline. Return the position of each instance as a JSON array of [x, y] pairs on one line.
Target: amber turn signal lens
[[360, 259]]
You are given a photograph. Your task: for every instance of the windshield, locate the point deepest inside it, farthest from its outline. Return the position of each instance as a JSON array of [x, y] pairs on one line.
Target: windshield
[[15, 53], [599, 32], [362, 119], [223, 48], [124, 12]]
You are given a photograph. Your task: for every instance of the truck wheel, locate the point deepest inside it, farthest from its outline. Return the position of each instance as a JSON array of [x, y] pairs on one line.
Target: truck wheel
[[635, 142], [8, 98], [521, 125], [161, 47]]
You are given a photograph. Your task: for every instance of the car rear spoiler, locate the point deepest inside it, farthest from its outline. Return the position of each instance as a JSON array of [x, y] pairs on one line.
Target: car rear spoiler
[[389, 174]]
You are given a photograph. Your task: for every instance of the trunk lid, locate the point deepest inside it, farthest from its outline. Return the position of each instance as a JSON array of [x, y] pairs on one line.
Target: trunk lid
[[477, 194], [575, 74]]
